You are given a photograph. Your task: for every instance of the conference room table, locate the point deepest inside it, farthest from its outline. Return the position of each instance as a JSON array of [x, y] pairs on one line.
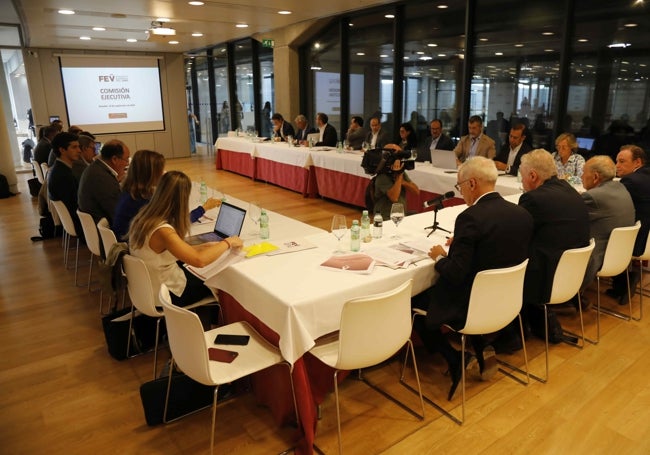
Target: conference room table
[[327, 173], [292, 301]]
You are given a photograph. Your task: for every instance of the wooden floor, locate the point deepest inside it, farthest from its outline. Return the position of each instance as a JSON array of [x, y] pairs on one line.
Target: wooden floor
[[61, 393]]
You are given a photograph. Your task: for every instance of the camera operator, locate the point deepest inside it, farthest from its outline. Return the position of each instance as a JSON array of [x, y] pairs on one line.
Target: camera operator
[[391, 186]]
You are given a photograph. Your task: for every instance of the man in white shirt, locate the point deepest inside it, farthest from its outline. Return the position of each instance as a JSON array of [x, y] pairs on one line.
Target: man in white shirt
[[510, 155], [327, 133], [376, 138]]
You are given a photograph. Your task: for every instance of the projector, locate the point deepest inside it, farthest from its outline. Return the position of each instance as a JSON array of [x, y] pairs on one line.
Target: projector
[[159, 31]]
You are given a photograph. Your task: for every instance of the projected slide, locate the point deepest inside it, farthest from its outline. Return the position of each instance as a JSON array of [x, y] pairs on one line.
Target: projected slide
[[114, 98]]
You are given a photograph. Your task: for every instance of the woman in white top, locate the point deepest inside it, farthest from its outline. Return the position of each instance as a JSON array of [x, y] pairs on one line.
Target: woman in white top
[[156, 236]]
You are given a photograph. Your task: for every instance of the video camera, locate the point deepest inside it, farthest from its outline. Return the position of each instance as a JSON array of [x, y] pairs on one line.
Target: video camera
[[380, 161]]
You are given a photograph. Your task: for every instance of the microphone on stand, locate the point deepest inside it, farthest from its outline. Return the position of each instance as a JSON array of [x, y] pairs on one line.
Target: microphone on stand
[[436, 201]]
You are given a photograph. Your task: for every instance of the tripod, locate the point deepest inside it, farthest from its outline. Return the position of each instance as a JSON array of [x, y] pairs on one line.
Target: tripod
[[436, 226]]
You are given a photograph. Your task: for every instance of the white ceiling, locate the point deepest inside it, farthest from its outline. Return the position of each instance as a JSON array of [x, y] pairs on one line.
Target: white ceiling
[[43, 26]]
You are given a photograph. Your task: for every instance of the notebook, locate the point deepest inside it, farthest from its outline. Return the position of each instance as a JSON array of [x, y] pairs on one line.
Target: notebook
[[444, 159], [229, 223]]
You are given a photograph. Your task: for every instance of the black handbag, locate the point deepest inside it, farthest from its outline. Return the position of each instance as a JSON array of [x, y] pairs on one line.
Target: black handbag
[[34, 186], [143, 333]]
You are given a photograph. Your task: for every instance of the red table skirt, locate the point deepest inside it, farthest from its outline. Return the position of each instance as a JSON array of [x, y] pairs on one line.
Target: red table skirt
[[240, 163], [312, 380], [340, 186], [291, 177]]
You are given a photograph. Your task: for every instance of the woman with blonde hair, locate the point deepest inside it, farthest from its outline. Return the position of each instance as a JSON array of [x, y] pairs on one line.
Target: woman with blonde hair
[[568, 163], [145, 170], [156, 236]]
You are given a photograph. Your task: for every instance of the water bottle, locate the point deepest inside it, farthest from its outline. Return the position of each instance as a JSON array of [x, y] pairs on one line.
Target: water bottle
[[339, 147], [355, 242], [264, 225], [377, 226], [365, 227], [204, 192], [311, 143]]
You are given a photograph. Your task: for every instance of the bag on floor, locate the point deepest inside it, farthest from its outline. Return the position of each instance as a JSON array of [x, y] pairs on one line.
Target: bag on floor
[[143, 333], [34, 186], [4, 188], [186, 395]]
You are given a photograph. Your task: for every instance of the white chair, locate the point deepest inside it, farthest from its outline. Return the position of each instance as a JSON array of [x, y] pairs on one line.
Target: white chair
[[189, 345], [108, 239], [645, 256], [45, 169], [71, 231], [372, 330], [92, 239], [144, 299], [617, 258], [495, 301], [567, 280], [39, 172]]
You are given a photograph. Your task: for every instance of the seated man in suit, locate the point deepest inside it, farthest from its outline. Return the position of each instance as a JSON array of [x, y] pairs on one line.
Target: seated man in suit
[[356, 134], [561, 223], [437, 141], [377, 138], [281, 129], [304, 129], [510, 155], [61, 183], [327, 133], [490, 233], [475, 143], [610, 206]]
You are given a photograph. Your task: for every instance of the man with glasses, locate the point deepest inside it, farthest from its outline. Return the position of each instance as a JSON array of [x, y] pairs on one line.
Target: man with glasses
[[437, 141], [99, 188], [490, 233]]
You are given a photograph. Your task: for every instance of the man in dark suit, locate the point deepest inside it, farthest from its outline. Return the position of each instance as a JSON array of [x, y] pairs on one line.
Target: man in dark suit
[[42, 150], [509, 158], [437, 141], [328, 136], [99, 187], [304, 129], [631, 167], [281, 129], [561, 223], [61, 183], [490, 233], [377, 138]]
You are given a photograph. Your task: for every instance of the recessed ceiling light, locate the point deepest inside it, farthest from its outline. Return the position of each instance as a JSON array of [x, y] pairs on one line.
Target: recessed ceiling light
[[66, 11], [548, 33], [420, 53], [583, 40], [549, 50], [317, 45], [443, 6], [426, 58], [99, 29], [197, 34], [519, 45], [173, 42], [383, 55], [163, 19], [241, 25], [442, 55], [389, 16], [284, 11], [350, 24], [361, 53], [432, 45], [498, 53], [483, 39], [406, 57], [85, 38], [630, 25], [196, 3], [131, 40]]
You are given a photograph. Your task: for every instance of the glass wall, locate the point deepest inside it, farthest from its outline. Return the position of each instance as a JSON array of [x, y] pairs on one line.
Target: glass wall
[[244, 98], [220, 69], [268, 91]]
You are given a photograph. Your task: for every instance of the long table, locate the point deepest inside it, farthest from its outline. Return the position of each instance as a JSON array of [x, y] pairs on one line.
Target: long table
[[292, 301], [338, 176]]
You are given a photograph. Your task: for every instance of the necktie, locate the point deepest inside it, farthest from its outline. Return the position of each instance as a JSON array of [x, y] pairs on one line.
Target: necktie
[[472, 149]]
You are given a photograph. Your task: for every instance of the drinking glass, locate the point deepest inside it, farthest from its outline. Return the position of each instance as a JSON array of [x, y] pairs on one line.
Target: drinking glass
[[339, 226], [365, 146], [254, 214], [397, 215]]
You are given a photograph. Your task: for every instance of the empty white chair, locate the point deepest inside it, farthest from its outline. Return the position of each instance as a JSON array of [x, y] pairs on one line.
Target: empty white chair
[[143, 298], [645, 256], [189, 345], [372, 330], [617, 258], [92, 239], [495, 301], [568, 277], [71, 231]]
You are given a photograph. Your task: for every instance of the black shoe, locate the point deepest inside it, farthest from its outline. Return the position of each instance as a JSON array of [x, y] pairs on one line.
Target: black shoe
[[456, 373], [634, 281], [507, 345], [585, 304], [613, 293]]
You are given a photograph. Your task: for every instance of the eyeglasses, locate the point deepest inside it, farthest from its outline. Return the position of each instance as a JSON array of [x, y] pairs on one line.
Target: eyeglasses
[[459, 184]]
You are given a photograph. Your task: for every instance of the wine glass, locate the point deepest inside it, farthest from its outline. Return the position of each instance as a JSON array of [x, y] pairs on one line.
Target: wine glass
[[397, 215], [339, 227], [254, 213]]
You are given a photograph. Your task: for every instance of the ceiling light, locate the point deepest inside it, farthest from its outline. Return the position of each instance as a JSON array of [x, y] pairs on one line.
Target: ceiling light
[[420, 53], [442, 6], [284, 12], [131, 40], [163, 19], [389, 16], [483, 39], [498, 53], [66, 11], [583, 40], [432, 45], [618, 45], [549, 50], [360, 54], [426, 58], [241, 25], [519, 45], [384, 55], [173, 42], [158, 29], [197, 34], [99, 29], [196, 3], [315, 65], [548, 33], [630, 25], [442, 55], [85, 38]]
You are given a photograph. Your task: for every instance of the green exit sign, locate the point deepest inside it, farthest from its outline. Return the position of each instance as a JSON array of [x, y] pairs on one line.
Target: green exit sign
[[268, 43]]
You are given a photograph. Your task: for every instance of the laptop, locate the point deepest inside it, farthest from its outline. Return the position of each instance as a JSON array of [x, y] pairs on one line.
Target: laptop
[[314, 137], [444, 159], [229, 223], [585, 142]]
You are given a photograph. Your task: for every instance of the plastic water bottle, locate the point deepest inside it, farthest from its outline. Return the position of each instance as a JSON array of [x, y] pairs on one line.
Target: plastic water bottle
[[377, 226], [204, 192], [264, 225], [355, 241], [339, 147], [365, 227]]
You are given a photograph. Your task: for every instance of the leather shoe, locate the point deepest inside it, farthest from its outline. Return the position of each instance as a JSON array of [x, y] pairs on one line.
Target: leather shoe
[[456, 372], [613, 293]]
